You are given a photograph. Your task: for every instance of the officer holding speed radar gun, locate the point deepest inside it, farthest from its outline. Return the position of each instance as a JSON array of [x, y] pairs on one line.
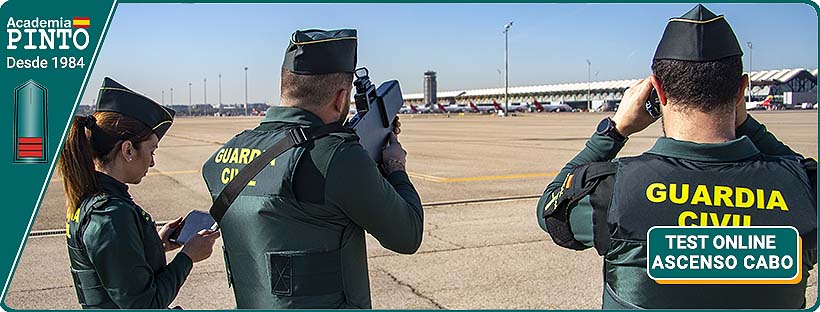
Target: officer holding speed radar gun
[[714, 166], [294, 234]]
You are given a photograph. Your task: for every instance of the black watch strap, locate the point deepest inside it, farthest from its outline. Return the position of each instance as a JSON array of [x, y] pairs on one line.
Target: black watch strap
[[613, 133]]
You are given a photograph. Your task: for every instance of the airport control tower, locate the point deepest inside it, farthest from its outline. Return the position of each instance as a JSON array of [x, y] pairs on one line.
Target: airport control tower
[[430, 87]]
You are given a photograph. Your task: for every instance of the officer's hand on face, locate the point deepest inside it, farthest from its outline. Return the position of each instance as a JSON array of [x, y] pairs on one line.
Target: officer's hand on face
[[201, 245], [740, 112], [165, 234], [631, 116], [393, 155]]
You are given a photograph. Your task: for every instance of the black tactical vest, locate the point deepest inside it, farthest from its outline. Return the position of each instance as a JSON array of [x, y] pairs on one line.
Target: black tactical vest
[[91, 293], [278, 255], [652, 190]]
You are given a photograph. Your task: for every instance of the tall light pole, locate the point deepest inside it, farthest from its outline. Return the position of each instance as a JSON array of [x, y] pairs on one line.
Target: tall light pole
[[246, 90], [220, 94], [604, 98], [589, 85], [163, 97], [507, 68], [189, 94], [749, 44], [205, 90], [172, 96]]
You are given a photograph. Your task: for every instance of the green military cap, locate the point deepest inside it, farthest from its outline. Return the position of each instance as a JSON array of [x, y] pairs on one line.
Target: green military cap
[[115, 97], [315, 51], [698, 36]]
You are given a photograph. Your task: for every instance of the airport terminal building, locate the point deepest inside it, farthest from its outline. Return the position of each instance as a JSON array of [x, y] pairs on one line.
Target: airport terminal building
[[789, 88]]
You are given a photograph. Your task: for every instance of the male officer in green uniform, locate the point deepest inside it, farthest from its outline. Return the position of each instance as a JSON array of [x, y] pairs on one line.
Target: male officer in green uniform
[[710, 149], [294, 237]]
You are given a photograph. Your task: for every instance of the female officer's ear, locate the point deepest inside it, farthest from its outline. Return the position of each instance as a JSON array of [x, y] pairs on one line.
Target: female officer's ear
[[127, 150]]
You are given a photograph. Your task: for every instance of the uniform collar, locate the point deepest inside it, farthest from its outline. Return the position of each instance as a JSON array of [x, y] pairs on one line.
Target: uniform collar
[[291, 115], [734, 150], [112, 186]]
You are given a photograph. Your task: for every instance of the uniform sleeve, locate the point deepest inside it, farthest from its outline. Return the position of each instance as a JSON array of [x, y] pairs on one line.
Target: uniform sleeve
[[389, 209], [598, 148], [764, 140], [116, 250]]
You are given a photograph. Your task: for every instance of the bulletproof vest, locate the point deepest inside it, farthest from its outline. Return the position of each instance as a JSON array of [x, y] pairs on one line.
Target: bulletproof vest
[[278, 254], [87, 284], [652, 190], [91, 293]]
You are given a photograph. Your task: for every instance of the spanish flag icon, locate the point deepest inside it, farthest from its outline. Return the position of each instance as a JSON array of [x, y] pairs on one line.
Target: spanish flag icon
[[81, 22]]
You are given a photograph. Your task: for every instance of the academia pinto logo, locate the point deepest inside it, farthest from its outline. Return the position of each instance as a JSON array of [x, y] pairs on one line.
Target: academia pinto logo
[[40, 35], [48, 34]]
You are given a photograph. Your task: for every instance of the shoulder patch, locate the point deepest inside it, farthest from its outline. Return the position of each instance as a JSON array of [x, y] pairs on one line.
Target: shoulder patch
[[579, 182]]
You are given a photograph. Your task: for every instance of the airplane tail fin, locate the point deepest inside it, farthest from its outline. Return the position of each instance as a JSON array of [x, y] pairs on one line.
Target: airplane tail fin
[[413, 109], [767, 102], [441, 108], [497, 106], [538, 106], [473, 107]]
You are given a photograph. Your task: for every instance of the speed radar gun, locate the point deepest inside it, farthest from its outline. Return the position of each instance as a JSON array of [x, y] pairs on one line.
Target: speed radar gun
[[376, 108]]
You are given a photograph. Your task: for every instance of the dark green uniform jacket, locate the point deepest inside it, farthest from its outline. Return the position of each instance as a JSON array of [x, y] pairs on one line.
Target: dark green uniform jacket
[[117, 257], [616, 223], [294, 238]]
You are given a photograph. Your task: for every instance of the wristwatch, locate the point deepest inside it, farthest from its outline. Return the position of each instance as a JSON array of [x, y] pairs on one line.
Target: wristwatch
[[607, 127]]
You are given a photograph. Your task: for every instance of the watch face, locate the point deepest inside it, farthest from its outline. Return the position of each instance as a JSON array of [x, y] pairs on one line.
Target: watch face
[[603, 126]]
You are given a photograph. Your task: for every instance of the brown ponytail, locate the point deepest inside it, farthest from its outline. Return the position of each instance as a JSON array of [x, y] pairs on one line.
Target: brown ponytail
[[94, 141], [76, 165]]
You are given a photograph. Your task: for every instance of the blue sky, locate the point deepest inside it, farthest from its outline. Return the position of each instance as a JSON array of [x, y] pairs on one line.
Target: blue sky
[[155, 47]]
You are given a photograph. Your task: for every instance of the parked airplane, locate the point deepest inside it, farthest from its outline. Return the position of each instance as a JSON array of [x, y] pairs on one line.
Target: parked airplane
[[406, 110], [514, 107], [551, 107], [520, 107], [421, 109], [485, 108], [452, 108], [759, 104]]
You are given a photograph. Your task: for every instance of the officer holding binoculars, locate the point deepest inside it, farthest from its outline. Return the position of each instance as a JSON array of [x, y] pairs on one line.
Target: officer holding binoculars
[[710, 148]]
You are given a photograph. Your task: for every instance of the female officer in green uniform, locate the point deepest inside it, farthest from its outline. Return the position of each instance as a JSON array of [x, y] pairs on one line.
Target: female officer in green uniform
[[117, 256]]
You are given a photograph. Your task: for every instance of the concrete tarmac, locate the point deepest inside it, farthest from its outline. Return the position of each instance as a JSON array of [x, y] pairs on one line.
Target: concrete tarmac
[[486, 255]]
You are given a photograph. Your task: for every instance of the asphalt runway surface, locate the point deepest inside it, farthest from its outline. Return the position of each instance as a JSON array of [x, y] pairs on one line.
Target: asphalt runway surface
[[477, 175]]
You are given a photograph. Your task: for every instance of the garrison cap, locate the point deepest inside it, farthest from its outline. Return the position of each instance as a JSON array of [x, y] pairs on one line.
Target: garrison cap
[[315, 52], [698, 36], [115, 97]]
